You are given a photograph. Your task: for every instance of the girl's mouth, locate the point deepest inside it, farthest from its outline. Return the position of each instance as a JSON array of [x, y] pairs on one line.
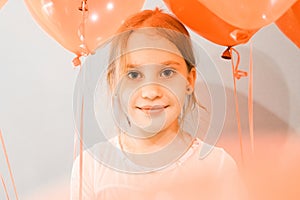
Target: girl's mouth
[[152, 109]]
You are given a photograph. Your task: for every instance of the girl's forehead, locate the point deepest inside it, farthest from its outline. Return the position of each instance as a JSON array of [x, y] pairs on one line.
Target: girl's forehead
[[143, 40], [153, 57]]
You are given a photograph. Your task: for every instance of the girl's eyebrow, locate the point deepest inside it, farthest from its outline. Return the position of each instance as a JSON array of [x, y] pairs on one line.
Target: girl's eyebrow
[[168, 62], [131, 65]]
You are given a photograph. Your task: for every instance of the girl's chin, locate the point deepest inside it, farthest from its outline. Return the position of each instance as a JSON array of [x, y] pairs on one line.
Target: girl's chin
[[153, 123], [144, 134], [149, 124], [151, 129]]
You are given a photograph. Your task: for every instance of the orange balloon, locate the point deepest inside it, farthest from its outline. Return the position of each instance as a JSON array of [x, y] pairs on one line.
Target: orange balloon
[[248, 14], [2, 2], [201, 20], [289, 23], [81, 26]]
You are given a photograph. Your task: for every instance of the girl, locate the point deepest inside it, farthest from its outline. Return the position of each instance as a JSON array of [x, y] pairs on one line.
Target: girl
[[152, 79]]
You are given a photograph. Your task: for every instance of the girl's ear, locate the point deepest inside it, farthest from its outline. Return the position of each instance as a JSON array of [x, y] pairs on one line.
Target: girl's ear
[[192, 78]]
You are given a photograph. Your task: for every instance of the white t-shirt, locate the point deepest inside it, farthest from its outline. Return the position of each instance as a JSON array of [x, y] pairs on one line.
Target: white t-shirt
[[108, 174]]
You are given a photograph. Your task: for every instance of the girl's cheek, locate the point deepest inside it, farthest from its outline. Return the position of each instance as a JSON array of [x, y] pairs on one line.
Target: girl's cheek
[[176, 88], [129, 98]]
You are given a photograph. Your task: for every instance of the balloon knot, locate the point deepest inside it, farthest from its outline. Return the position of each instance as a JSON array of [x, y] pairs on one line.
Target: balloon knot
[[76, 61], [227, 54]]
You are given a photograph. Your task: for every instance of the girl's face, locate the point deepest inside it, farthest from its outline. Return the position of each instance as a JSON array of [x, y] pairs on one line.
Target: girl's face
[[152, 91]]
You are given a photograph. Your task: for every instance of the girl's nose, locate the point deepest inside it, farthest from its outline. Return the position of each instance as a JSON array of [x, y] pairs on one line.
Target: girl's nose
[[151, 91]]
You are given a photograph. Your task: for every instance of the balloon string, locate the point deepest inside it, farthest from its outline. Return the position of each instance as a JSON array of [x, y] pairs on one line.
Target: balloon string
[[250, 99], [80, 152], [81, 149], [79, 136], [4, 187], [237, 74], [8, 165], [75, 145]]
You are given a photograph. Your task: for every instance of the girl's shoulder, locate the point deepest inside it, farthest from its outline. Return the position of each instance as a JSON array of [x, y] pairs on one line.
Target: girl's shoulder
[[202, 154]]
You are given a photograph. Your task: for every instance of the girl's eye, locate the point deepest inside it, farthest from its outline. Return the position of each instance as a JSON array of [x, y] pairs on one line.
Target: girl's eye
[[134, 75], [167, 73]]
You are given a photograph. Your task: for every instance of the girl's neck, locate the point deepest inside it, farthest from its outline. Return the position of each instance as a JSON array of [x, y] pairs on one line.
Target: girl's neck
[[154, 143], [158, 151]]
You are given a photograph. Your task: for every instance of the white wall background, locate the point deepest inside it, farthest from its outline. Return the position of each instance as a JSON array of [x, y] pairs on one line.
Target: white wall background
[[36, 87]]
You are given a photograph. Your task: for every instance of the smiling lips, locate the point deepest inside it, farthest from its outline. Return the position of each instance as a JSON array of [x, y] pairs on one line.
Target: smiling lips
[[152, 109]]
